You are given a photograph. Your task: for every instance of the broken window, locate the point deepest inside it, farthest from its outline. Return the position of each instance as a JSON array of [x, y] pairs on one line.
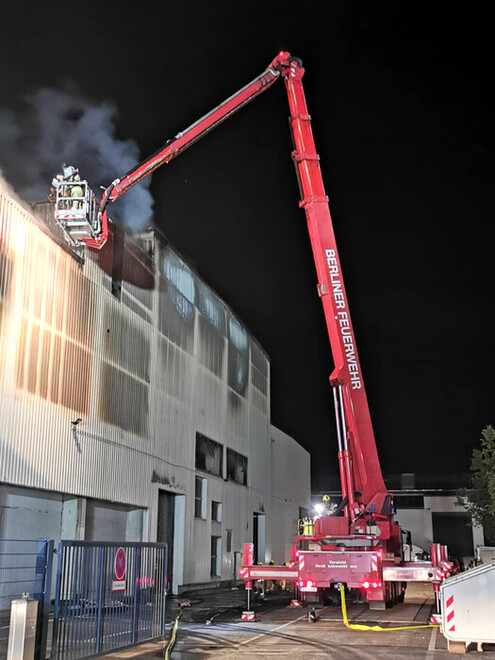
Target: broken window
[[209, 455], [236, 467], [238, 357]]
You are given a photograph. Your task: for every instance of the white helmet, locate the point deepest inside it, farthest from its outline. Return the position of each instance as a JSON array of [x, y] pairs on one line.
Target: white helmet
[[68, 170]]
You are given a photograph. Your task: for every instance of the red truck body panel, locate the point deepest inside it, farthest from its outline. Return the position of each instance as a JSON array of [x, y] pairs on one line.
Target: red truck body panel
[[327, 568]]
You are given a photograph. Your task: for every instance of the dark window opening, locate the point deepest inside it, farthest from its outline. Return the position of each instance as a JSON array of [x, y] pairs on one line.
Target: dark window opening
[[200, 498], [216, 554], [236, 467], [455, 530], [209, 455], [409, 501], [216, 511]]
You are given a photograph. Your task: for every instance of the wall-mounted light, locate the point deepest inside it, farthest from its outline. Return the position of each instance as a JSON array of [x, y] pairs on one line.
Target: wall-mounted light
[[75, 433]]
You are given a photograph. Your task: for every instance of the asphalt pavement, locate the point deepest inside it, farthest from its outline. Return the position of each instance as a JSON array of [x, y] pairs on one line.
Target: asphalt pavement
[[212, 628]]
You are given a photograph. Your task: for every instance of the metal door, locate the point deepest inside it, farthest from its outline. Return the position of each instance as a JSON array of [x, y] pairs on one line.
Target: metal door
[[166, 528]]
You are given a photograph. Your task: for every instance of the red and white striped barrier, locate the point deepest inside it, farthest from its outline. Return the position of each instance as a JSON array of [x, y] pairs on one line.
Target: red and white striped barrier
[[449, 614]]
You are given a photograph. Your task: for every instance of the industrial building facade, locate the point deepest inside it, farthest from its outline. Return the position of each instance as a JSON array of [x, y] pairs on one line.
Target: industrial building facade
[[134, 405]]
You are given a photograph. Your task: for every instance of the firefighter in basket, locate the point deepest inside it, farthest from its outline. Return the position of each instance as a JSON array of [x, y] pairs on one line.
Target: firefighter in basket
[[326, 508], [67, 185], [76, 190]]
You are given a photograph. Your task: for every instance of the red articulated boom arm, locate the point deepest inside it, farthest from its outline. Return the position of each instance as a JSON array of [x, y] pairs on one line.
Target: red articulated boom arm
[[192, 134], [363, 489], [360, 471]]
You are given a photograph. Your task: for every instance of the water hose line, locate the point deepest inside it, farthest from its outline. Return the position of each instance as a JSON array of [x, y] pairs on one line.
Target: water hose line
[[355, 626], [173, 636]]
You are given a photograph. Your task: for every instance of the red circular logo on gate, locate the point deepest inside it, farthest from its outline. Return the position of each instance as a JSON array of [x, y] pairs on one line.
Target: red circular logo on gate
[[120, 564]]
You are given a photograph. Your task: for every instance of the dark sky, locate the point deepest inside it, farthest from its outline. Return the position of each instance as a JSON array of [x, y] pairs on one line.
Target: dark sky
[[402, 109]]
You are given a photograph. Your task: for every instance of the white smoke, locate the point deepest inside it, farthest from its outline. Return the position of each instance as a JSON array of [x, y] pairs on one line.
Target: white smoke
[[59, 126]]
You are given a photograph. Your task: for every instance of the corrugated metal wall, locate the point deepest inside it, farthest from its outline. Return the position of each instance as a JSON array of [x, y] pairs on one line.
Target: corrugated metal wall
[[146, 356]]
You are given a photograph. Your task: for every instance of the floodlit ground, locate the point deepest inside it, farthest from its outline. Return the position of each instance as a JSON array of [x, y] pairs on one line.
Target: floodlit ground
[[211, 628]]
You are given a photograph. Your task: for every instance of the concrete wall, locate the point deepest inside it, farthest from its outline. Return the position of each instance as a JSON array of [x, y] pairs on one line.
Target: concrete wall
[[29, 514], [420, 521]]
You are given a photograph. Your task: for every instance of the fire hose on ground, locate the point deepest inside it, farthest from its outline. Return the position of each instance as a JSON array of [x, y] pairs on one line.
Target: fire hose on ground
[[351, 626], [355, 626], [173, 636]]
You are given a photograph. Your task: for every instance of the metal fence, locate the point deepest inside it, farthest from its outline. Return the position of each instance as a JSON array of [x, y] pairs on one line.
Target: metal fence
[[25, 567], [108, 596]]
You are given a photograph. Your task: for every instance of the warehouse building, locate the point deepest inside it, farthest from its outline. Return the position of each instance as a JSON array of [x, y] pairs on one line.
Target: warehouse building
[[135, 405]]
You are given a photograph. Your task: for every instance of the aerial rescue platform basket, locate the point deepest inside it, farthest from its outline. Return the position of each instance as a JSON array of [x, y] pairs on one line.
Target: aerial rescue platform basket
[[78, 213]]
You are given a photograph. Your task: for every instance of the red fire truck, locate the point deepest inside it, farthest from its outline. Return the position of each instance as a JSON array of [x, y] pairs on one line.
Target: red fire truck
[[359, 544]]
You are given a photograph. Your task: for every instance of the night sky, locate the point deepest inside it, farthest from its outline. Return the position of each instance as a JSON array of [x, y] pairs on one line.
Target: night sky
[[402, 110]]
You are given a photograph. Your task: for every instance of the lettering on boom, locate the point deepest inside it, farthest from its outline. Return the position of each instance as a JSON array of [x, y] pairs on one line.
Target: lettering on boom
[[343, 319]]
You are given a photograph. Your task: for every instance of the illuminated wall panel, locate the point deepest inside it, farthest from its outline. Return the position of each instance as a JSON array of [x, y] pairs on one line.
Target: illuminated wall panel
[[123, 400], [52, 315]]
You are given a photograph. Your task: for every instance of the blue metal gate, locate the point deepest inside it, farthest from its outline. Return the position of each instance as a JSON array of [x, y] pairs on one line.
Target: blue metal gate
[[109, 595]]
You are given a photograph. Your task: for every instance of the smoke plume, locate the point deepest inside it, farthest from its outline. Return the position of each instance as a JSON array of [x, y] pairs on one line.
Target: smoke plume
[[59, 126]]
